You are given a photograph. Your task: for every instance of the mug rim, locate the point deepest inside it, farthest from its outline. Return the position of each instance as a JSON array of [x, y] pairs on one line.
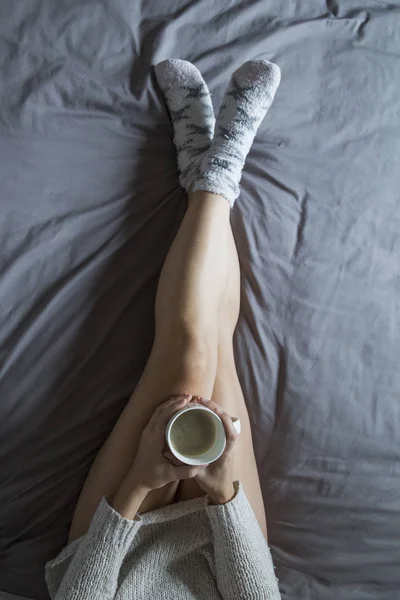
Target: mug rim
[[203, 458]]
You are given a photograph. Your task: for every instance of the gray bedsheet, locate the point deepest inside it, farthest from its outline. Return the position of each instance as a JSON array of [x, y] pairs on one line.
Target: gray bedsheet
[[90, 203]]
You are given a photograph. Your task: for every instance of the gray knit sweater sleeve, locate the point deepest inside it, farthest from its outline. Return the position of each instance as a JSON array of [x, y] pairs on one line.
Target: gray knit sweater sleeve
[[94, 568], [244, 567]]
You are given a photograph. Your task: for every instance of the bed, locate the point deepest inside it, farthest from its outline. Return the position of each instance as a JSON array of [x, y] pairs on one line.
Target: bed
[[89, 205]]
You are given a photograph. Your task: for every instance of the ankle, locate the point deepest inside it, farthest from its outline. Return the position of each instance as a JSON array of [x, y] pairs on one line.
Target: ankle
[[204, 195]]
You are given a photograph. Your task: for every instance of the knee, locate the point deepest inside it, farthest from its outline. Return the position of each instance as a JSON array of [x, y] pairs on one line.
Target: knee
[[197, 350], [189, 350], [188, 337]]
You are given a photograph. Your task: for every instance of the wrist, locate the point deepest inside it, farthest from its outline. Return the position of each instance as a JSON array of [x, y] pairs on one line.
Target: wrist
[[129, 497], [222, 496], [136, 481]]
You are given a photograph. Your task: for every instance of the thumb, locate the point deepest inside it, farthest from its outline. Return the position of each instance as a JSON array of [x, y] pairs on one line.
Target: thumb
[[172, 459], [189, 471]]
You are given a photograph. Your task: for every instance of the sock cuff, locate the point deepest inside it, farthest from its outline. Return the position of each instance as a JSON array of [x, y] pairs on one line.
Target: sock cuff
[[207, 184]]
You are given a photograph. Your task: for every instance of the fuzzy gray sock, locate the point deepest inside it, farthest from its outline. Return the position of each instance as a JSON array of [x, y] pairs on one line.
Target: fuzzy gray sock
[[192, 114], [249, 95]]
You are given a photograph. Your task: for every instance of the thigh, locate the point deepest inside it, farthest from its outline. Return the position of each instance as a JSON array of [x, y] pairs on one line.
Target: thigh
[[228, 393], [181, 364]]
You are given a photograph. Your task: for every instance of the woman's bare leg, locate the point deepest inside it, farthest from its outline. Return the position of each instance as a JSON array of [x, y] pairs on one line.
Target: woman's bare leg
[[184, 353], [228, 393]]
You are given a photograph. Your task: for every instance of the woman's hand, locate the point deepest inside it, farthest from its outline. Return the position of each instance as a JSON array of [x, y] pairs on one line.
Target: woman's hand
[[152, 469], [217, 478]]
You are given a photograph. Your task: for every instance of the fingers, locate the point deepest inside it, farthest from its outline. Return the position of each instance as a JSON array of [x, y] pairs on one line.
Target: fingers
[[188, 471], [230, 431], [172, 459], [182, 470], [165, 411], [209, 404]]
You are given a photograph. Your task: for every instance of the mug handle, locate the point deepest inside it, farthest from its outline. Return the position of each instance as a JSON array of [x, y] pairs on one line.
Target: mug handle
[[236, 424]]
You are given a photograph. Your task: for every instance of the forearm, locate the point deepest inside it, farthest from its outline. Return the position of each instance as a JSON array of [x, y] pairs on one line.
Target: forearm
[[129, 496]]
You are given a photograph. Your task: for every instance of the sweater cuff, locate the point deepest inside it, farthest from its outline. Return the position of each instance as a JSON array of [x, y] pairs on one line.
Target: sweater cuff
[[108, 524], [239, 495], [236, 510]]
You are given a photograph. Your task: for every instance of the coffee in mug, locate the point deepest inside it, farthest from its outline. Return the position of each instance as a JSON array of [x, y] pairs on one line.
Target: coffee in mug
[[196, 435], [193, 433]]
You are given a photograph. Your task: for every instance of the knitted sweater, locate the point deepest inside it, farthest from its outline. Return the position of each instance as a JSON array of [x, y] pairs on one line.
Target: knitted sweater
[[189, 550]]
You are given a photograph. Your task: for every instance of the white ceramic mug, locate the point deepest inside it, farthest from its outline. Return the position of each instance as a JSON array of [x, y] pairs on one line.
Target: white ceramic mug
[[215, 451]]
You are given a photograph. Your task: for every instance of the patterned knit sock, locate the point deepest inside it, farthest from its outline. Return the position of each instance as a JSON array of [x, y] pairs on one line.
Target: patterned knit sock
[[249, 95], [189, 103]]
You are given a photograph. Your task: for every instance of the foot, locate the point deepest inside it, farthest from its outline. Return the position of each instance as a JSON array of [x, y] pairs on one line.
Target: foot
[[246, 102], [189, 103]]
